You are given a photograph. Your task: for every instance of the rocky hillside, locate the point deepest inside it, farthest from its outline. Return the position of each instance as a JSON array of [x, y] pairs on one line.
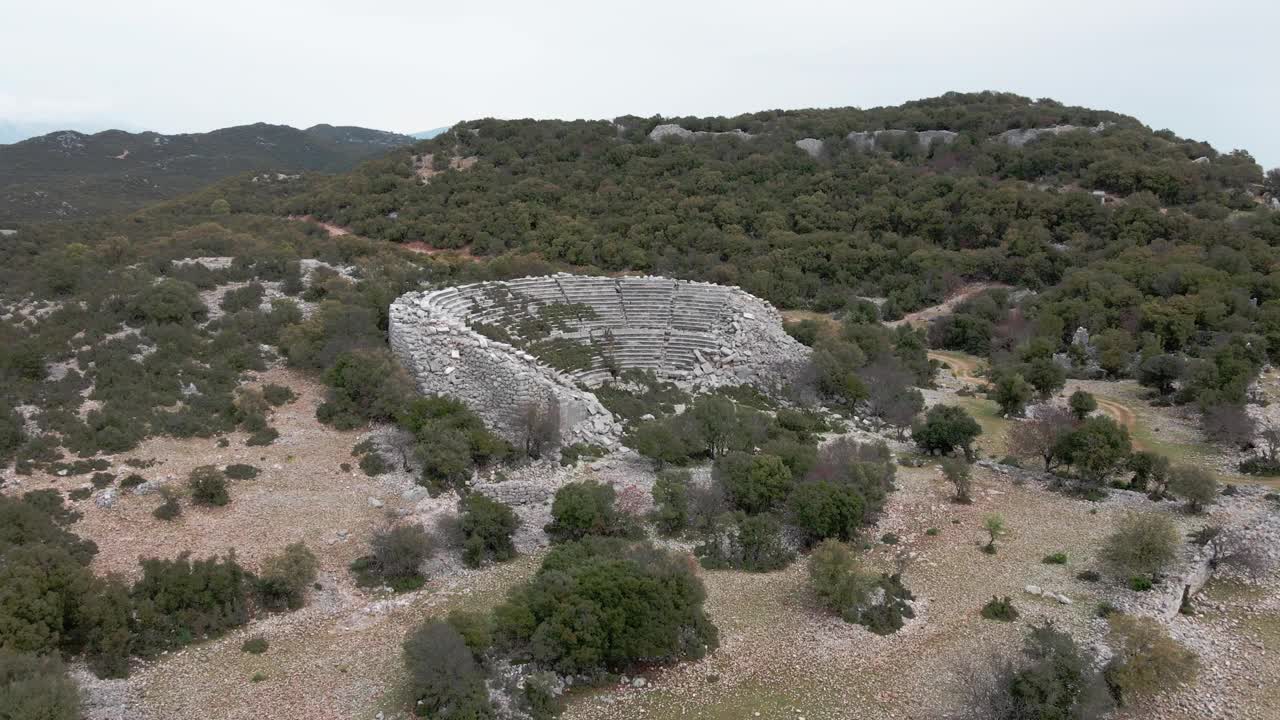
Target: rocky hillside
[[68, 174]]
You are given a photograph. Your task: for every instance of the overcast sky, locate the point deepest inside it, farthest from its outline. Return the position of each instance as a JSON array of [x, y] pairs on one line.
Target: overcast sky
[[1206, 70]]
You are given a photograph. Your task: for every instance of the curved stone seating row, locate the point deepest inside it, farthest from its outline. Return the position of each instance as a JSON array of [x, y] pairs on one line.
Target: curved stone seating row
[[699, 334]]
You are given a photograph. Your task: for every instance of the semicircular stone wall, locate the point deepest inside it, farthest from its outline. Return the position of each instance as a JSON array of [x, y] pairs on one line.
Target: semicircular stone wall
[[499, 346]]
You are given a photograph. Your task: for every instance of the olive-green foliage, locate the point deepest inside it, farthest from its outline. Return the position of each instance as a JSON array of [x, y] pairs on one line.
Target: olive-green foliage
[[605, 604], [167, 301], [363, 386], [1000, 608], [754, 483], [475, 628], [1095, 449], [865, 468], [825, 509], [584, 509], [36, 687], [1145, 659], [958, 473], [278, 395], [169, 509], [845, 589], [40, 518], [180, 601], [1057, 680], [1012, 393], [947, 428], [671, 501], [283, 580], [1194, 484], [744, 542], [255, 645], [450, 440], [208, 486], [444, 679], [1142, 544], [243, 298], [396, 556], [240, 471], [1081, 404], [487, 527]]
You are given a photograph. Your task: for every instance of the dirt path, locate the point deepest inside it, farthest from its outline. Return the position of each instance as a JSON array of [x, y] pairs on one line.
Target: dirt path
[[923, 317], [965, 368], [1123, 415], [333, 230]]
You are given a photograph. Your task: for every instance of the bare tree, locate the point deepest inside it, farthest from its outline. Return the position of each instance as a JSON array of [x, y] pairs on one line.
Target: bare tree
[[1228, 425], [1039, 436], [539, 424]]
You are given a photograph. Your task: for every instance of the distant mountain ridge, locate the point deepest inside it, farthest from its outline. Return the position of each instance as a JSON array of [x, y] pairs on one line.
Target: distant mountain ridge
[[428, 134], [68, 174]]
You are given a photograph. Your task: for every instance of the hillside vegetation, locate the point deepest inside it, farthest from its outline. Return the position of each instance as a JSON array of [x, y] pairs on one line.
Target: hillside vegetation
[[68, 174]]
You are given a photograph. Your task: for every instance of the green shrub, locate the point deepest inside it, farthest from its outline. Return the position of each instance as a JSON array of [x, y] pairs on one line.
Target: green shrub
[[843, 588], [169, 509], [208, 486], [645, 607], [570, 454], [444, 679], [1089, 575], [947, 428], [1058, 558], [373, 464], [1142, 544], [932, 532], [487, 526], [397, 555], [825, 509], [755, 484], [475, 628], [101, 480], [1000, 608], [744, 542], [132, 480], [1106, 609], [889, 538], [1145, 659], [1057, 680], [278, 395], [1140, 583], [240, 471], [80, 494], [255, 645], [262, 438], [364, 386], [282, 582], [36, 687], [586, 508], [180, 601], [671, 501]]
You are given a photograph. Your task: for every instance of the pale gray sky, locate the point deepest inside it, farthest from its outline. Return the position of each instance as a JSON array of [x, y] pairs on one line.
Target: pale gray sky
[[1206, 70]]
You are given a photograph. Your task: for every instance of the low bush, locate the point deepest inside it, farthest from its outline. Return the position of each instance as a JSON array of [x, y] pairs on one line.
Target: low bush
[[571, 454], [101, 480], [444, 679], [397, 554], [169, 509], [373, 464], [671, 501], [1058, 558], [1145, 659], [586, 508], [487, 526], [36, 687], [180, 601], [284, 578], [1000, 608], [263, 437], [255, 645], [278, 395], [475, 628], [208, 486], [1089, 575], [843, 588], [644, 605], [131, 481], [1140, 583], [744, 542], [1141, 545], [240, 471]]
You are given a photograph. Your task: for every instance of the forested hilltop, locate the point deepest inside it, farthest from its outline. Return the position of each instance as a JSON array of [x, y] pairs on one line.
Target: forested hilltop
[[68, 174]]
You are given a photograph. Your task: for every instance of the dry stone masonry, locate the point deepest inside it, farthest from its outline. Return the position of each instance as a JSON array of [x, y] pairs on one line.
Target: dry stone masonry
[[699, 335]]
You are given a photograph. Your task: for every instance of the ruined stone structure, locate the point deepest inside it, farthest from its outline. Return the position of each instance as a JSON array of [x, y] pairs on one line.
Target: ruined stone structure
[[698, 335]]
